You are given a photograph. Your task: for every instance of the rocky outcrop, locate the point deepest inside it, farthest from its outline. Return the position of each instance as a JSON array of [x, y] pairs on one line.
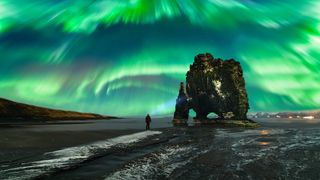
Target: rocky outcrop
[[218, 86]]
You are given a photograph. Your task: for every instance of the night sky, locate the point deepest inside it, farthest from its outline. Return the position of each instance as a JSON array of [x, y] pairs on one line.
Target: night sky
[[127, 57]]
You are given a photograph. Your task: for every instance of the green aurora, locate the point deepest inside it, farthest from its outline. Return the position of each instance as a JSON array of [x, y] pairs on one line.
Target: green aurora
[[127, 57]]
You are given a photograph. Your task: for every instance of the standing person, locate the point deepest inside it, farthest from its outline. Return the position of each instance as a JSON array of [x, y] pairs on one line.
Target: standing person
[[148, 121]]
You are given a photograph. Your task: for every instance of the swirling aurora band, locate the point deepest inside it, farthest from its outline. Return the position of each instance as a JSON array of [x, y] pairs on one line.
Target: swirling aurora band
[[127, 57]]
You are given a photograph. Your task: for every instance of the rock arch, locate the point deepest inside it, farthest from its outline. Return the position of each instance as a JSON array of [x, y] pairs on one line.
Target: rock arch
[[213, 85]]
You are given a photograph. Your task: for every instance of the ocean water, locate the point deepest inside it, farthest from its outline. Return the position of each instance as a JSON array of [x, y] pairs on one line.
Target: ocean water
[[279, 149]]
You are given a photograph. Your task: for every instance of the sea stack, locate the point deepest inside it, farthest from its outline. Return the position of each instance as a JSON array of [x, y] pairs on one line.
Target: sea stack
[[182, 105], [214, 86]]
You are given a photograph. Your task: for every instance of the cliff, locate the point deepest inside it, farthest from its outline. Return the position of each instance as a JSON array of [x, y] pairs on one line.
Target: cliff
[[10, 110]]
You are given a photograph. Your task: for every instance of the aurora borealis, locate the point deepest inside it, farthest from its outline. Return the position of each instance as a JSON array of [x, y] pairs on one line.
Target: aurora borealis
[[127, 57]]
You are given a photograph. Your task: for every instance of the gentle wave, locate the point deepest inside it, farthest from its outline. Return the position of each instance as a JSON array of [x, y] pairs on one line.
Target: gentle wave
[[158, 165], [68, 157]]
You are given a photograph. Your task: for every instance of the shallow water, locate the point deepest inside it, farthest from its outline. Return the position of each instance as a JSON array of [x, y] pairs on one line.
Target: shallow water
[[279, 149]]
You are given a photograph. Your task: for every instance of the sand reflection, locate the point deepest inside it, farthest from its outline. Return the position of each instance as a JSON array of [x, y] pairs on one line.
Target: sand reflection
[[264, 132], [263, 143]]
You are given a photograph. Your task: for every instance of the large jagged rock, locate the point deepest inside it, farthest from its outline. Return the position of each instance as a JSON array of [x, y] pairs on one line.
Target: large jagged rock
[[218, 86]]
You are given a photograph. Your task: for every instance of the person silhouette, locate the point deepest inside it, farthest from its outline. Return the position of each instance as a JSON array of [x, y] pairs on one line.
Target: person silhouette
[[148, 122]]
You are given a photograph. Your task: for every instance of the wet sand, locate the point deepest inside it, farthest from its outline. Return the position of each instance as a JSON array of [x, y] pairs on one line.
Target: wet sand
[[24, 140], [24, 144]]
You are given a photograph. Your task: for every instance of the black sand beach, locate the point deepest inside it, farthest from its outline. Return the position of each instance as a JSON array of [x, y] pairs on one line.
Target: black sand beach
[[280, 148]]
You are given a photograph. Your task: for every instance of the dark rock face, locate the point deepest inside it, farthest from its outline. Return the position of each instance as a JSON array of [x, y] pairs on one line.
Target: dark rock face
[[218, 86], [182, 104]]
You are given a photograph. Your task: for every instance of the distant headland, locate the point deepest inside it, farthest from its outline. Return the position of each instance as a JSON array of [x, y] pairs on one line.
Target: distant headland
[[14, 111]]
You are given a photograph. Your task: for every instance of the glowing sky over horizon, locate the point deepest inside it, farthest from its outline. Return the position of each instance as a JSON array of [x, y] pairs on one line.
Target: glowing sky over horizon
[[127, 57]]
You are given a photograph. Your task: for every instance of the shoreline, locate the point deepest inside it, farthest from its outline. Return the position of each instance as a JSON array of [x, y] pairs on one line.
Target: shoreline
[[27, 144], [8, 122], [246, 123], [24, 140]]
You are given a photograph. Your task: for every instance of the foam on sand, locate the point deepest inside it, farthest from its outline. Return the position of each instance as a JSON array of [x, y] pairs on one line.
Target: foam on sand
[[159, 164], [68, 157]]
